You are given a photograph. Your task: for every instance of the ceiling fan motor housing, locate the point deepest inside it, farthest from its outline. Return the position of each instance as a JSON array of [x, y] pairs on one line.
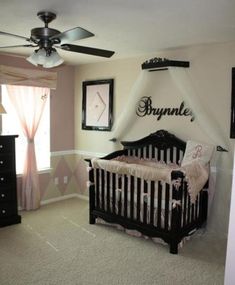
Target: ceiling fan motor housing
[[41, 36]]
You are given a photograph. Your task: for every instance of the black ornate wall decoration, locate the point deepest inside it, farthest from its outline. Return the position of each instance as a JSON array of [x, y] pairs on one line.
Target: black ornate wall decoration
[[145, 108], [158, 63]]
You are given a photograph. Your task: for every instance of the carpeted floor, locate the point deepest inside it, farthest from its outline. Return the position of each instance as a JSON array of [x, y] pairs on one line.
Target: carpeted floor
[[56, 245]]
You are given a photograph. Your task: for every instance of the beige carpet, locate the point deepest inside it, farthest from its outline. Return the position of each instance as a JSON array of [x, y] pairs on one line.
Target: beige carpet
[[56, 245]]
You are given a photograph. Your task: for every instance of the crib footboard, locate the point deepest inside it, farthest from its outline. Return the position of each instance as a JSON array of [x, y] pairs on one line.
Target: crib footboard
[[154, 208]]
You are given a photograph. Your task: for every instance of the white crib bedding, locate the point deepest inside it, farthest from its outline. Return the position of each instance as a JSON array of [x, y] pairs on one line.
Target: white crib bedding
[[196, 173]]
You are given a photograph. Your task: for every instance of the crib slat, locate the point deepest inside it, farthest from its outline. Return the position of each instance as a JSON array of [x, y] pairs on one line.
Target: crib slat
[[153, 151], [158, 154], [138, 198], [159, 204], [166, 221], [171, 154], [145, 203], [132, 189], [92, 218], [192, 212], [196, 207], [102, 189], [108, 191], [114, 193], [185, 206], [97, 188], [142, 152], [188, 210], [120, 195], [165, 155], [177, 155], [147, 151], [125, 195], [152, 203]]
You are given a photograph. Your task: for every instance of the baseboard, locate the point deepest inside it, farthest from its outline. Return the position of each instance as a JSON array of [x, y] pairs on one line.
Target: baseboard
[[83, 197], [61, 198], [69, 196]]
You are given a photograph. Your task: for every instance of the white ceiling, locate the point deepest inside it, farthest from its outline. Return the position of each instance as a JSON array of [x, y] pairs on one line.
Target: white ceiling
[[128, 27]]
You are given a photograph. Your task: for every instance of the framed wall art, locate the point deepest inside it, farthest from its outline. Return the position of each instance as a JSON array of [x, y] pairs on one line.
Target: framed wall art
[[97, 105]]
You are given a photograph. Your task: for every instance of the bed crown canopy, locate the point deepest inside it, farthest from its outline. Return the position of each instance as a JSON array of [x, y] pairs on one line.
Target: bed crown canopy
[[180, 75]]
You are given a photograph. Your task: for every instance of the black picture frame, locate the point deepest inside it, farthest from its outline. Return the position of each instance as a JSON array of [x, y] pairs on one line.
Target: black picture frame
[[232, 121], [97, 105]]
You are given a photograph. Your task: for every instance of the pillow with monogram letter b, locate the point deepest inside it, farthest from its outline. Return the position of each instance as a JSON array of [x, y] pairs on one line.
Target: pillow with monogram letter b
[[197, 151]]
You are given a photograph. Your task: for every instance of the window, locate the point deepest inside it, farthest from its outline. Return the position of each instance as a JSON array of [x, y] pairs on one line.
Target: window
[[11, 125]]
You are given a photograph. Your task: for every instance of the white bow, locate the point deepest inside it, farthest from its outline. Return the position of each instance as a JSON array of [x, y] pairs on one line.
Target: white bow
[[176, 203]]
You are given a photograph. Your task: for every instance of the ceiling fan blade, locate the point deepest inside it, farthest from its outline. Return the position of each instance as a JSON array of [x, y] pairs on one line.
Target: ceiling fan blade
[[87, 50], [18, 46], [72, 35], [13, 35]]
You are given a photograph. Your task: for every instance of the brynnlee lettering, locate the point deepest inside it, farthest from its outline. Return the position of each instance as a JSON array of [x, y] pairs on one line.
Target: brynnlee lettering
[[145, 108]]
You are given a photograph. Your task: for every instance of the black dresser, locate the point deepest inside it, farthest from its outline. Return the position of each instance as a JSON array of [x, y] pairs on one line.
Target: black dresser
[[8, 194]]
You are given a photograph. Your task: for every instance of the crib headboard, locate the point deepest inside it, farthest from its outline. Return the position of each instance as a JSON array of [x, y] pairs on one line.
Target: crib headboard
[[160, 145]]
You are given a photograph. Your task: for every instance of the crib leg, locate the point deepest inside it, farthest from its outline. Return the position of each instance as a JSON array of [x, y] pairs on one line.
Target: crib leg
[[92, 219], [174, 247]]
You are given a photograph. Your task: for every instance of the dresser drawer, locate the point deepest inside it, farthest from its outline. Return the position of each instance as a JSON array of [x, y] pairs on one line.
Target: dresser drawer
[[7, 193], [6, 162], [7, 209], [6, 146]]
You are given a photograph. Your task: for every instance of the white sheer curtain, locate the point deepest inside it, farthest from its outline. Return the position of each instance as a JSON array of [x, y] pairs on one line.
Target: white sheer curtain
[[29, 104]]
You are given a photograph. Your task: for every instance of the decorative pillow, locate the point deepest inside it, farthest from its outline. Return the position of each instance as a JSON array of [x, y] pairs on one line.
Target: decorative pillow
[[197, 151]]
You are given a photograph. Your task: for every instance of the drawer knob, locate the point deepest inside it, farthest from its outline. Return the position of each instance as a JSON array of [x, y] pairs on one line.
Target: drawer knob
[[3, 211], [1, 162], [2, 178], [2, 195], [1, 146]]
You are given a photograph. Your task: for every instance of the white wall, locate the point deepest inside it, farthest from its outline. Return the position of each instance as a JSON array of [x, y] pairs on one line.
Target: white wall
[[230, 259], [211, 72]]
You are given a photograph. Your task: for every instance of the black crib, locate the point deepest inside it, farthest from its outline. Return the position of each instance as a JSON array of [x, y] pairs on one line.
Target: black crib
[[122, 200]]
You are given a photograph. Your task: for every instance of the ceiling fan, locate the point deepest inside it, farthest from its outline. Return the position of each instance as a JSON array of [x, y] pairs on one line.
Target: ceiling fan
[[47, 40]]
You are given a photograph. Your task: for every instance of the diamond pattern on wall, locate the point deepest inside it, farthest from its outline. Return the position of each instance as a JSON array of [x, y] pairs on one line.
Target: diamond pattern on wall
[[81, 175], [44, 180], [61, 171], [71, 165]]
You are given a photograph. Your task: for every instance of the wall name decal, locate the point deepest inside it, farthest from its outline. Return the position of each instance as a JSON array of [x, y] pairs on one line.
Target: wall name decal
[[145, 108]]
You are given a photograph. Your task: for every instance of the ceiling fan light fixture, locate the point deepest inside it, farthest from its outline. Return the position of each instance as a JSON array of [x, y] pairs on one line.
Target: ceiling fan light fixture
[[32, 59], [53, 60], [40, 57]]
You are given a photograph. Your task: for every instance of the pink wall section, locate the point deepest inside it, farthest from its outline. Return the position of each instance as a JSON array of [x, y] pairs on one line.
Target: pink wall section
[[62, 111], [62, 103]]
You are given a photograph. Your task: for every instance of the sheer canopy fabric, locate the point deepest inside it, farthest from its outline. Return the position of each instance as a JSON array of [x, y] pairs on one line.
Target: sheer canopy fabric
[[29, 103], [181, 78], [183, 81]]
